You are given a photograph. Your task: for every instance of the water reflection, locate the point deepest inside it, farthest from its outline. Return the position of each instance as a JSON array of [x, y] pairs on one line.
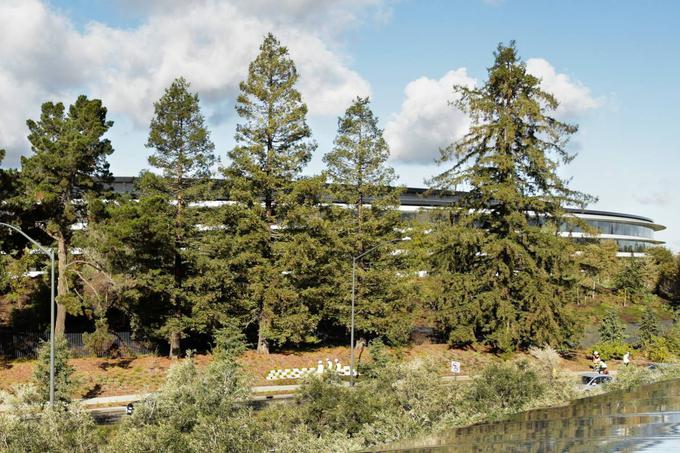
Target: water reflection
[[647, 419]]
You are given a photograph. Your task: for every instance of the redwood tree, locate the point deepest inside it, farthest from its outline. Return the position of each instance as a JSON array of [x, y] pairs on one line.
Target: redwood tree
[[506, 274], [273, 145], [184, 152]]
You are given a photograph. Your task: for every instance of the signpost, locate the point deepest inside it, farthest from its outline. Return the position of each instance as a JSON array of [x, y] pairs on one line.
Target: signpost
[[455, 369]]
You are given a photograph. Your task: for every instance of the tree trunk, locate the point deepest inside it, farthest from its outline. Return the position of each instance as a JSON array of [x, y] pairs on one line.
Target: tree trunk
[[262, 342], [174, 341], [62, 288], [359, 350]]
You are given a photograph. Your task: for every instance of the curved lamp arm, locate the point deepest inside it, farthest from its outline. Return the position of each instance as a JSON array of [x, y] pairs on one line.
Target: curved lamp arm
[[33, 241], [404, 239]]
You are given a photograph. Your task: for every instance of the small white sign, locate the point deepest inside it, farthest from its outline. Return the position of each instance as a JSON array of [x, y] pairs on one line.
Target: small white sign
[[455, 367]]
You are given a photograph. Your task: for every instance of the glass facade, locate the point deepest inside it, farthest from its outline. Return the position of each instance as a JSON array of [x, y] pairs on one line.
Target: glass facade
[[605, 227], [633, 246], [599, 227]]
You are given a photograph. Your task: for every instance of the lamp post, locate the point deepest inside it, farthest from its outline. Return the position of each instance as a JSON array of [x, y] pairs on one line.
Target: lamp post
[[354, 284], [50, 253]]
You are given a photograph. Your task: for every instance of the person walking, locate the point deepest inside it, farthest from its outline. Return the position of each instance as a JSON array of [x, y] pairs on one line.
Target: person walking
[[626, 358]]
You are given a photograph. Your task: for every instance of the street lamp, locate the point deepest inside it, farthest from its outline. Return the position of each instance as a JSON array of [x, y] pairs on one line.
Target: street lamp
[[354, 284], [50, 253]]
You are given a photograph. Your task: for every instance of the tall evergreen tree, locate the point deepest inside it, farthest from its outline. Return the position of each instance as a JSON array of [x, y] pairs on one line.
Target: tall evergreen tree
[[611, 328], [361, 179], [273, 145], [513, 288], [68, 166], [134, 242], [184, 152], [649, 326]]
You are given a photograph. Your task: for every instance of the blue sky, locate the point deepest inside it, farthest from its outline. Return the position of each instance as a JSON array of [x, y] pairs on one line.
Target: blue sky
[[613, 63]]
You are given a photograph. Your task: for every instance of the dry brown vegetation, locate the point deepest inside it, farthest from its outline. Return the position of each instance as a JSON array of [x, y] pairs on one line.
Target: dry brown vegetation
[[109, 377]]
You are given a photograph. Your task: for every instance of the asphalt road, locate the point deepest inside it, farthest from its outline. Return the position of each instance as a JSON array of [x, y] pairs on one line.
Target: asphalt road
[[113, 415]]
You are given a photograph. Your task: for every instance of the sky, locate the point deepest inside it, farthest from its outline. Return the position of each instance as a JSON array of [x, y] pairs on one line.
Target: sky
[[612, 65]]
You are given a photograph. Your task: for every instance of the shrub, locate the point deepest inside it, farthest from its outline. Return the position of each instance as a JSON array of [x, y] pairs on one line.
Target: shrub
[[189, 393], [548, 361], [649, 327], [147, 439], [54, 429], [63, 380], [100, 341], [229, 343], [658, 349], [326, 406], [380, 359], [505, 387], [612, 349], [630, 377], [672, 337], [612, 329]]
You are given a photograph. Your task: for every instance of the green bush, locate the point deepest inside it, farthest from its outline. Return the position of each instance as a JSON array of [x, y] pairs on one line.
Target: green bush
[[672, 336], [100, 341], [229, 343], [612, 349], [658, 349], [612, 329], [501, 388], [649, 327], [55, 430], [326, 406], [63, 372]]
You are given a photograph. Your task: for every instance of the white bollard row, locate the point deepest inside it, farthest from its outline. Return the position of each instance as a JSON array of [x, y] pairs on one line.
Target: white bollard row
[[297, 373]]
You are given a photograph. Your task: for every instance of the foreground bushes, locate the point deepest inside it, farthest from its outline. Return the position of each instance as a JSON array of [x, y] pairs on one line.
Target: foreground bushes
[[201, 410], [31, 428]]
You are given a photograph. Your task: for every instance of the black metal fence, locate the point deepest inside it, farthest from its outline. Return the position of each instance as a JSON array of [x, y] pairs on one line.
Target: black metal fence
[[24, 345]]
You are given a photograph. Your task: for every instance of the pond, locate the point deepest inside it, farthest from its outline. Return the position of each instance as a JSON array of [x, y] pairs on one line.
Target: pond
[[643, 420]]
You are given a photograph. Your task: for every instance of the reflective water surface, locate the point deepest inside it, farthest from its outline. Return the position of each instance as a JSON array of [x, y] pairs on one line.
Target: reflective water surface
[[646, 419]]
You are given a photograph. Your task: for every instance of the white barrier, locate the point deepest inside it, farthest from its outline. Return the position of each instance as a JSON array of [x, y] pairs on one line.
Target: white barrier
[[297, 373]]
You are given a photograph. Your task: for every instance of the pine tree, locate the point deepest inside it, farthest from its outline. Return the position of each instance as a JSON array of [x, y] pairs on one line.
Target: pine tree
[[514, 287], [273, 145], [63, 371], [362, 181], [612, 329], [184, 152], [68, 164], [221, 257], [649, 327], [134, 243]]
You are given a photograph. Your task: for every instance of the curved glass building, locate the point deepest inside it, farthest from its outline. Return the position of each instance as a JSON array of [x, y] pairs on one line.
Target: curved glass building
[[632, 233]]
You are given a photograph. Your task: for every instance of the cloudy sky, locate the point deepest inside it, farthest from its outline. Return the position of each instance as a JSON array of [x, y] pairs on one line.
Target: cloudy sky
[[612, 65]]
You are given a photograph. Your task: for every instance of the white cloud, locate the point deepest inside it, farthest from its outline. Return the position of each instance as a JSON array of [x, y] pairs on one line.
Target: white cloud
[[661, 198], [426, 121], [46, 58], [574, 97]]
